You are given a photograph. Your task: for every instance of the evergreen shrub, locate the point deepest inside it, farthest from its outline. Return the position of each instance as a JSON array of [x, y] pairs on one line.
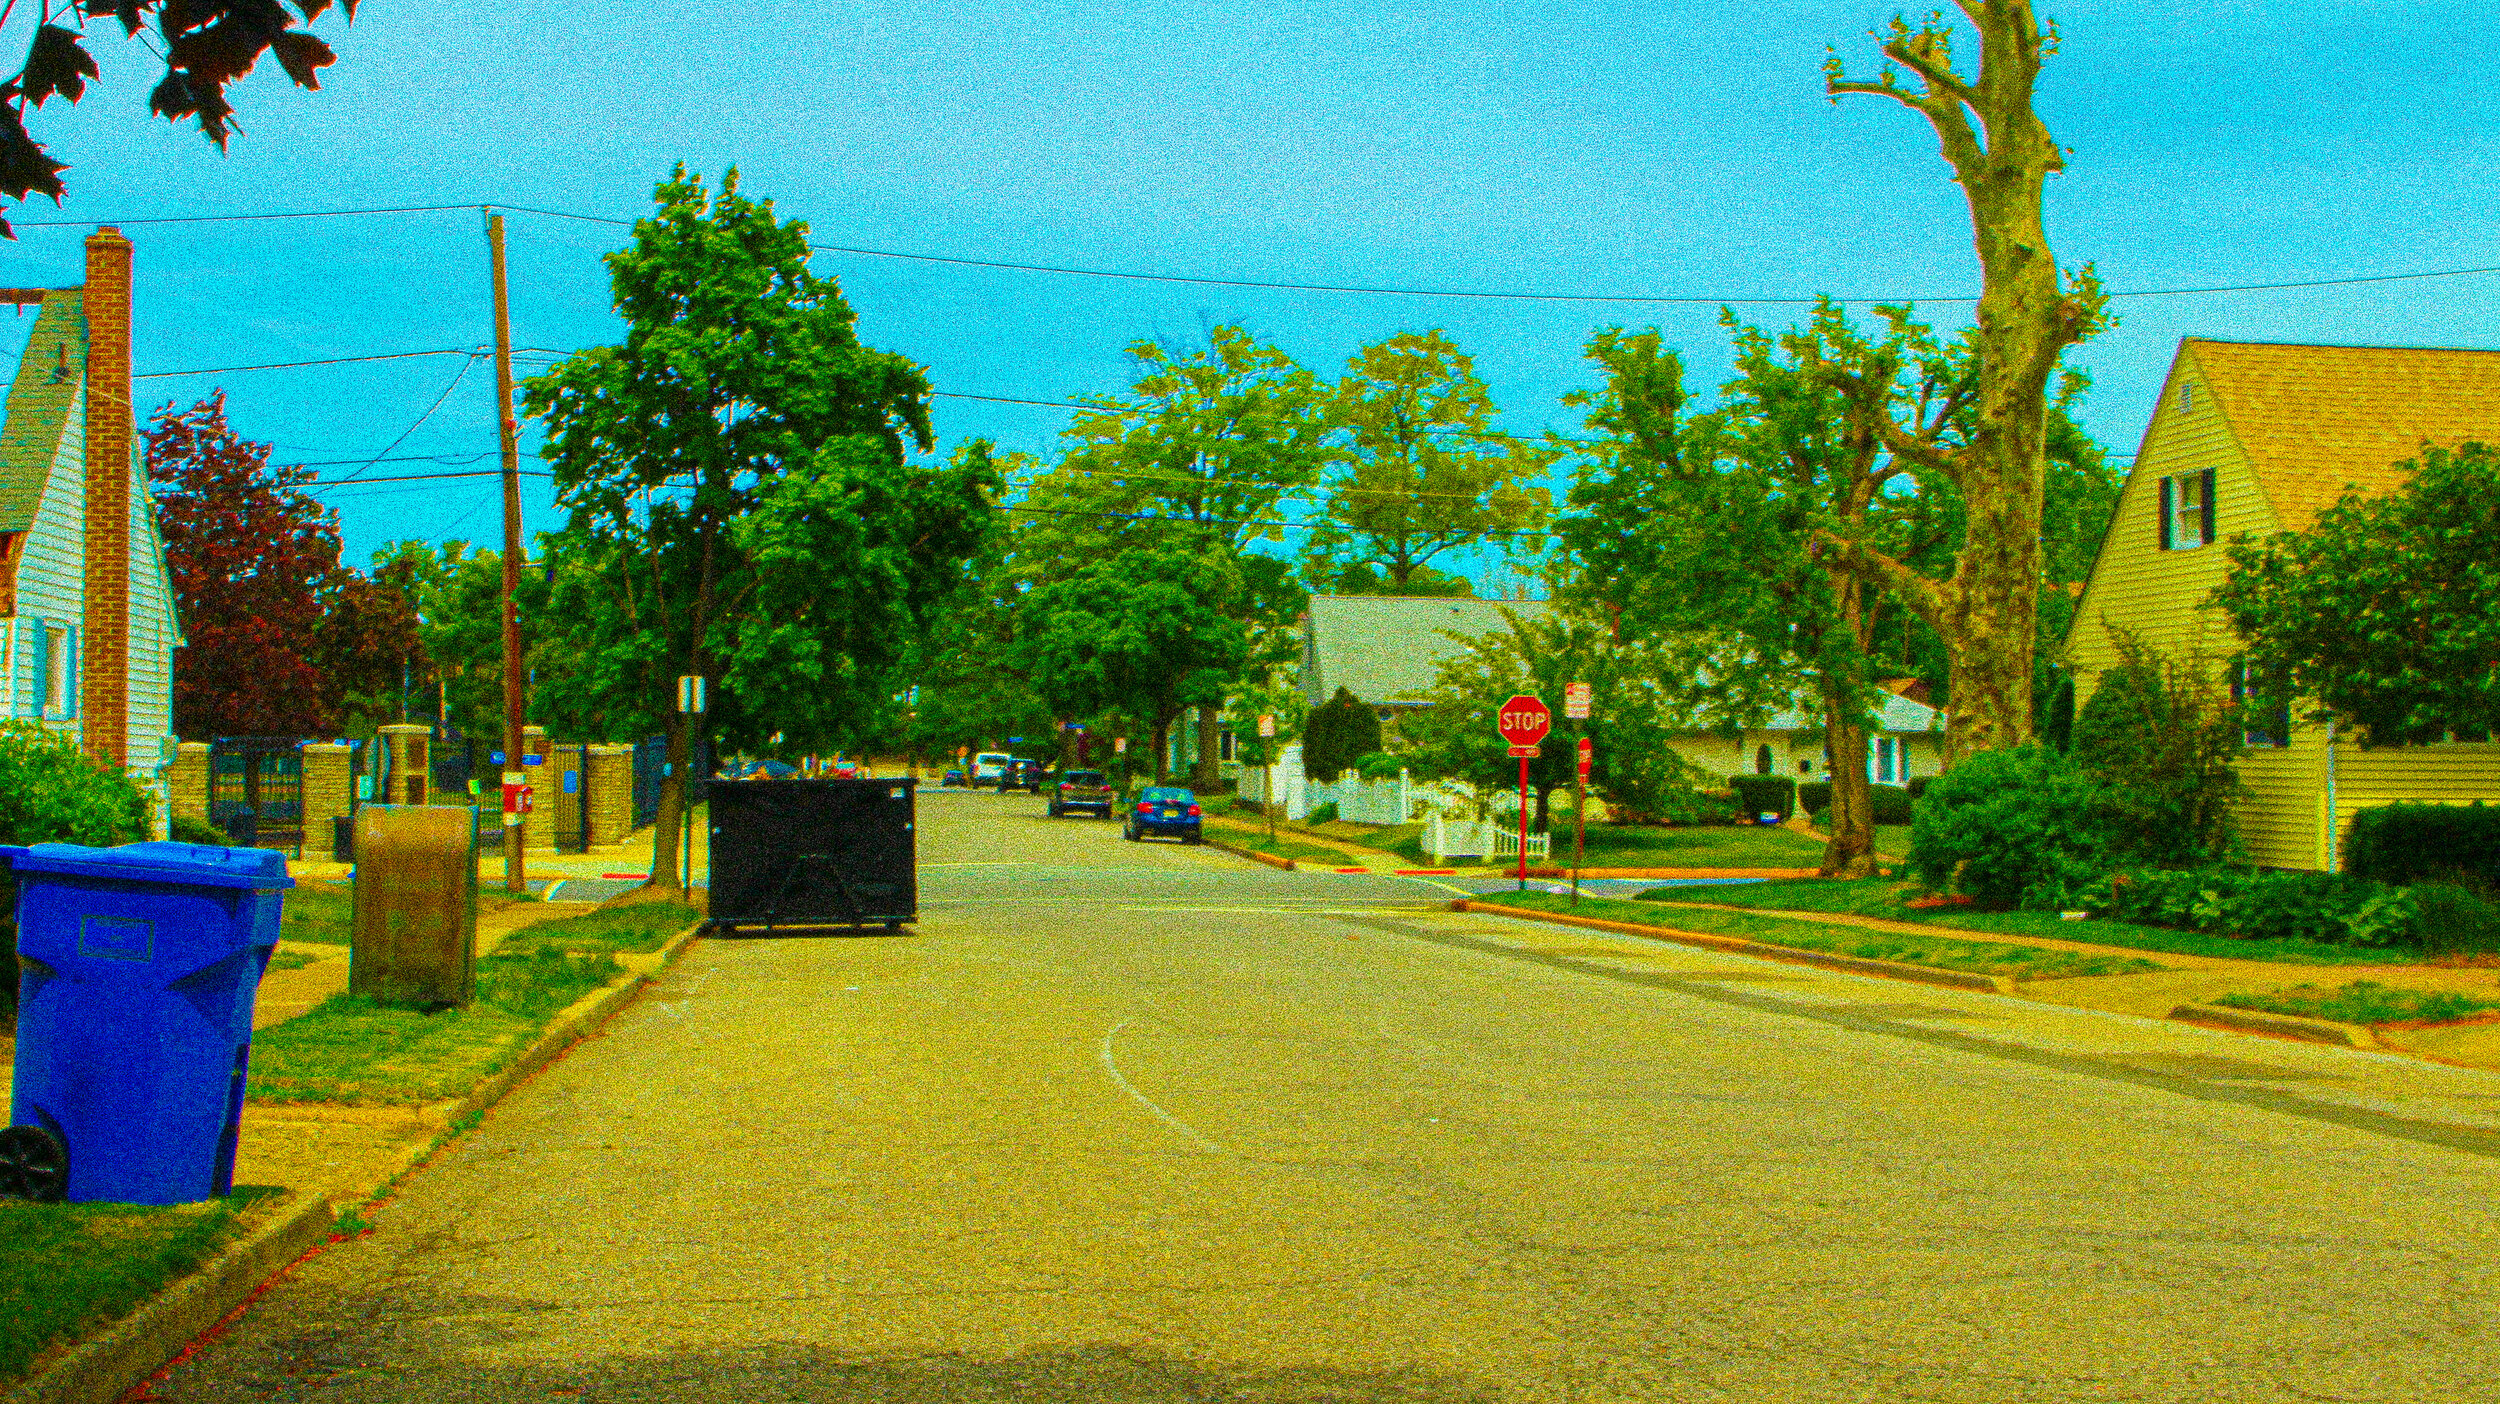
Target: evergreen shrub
[[1891, 802], [2404, 843], [1763, 794], [2019, 827]]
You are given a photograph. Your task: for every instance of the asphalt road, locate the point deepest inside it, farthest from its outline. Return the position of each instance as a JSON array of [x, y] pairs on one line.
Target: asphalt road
[[1126, 1122]]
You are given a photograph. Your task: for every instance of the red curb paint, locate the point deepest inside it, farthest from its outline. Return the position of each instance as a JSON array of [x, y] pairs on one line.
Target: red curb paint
[[1425, 872], [625, 875]]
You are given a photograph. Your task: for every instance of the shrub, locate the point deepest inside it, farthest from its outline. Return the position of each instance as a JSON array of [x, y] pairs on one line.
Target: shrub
[[1379, 765], [2016, 827], [2456, 916], [1918, 786], [2161, 733], [1764, 794], [1891, 803], [2328, 907], [189, 830], [1325, 814], [1337, 735], [2403, 843], [51, 793]]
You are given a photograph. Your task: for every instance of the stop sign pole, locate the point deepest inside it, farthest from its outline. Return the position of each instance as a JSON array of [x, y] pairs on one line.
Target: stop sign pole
[[1523, 722]]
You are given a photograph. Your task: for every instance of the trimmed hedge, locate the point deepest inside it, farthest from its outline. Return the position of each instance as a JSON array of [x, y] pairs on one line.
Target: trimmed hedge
[[2333, 908], [1763, 794], [2406, 843], [1892, 803]]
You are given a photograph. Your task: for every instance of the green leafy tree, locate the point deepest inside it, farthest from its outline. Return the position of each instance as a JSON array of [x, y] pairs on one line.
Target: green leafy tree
[[1340, 732], [206, 44], [2161, 733], [740, 430], [2381, 613], [1993, 453], [1148, 634], [1423, 472], [1198, 455]]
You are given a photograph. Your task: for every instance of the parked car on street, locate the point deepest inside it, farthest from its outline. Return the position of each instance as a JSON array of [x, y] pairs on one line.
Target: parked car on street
[[1021, 774], [1166, 810], [1087, 790], [989, 767], [954, 776]]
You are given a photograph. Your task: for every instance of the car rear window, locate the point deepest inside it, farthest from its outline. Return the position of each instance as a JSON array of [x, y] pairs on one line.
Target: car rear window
[[1165, 795], [1080, 777]]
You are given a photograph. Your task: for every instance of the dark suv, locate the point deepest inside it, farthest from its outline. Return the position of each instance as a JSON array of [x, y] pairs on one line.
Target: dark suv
[[1020, 774], [1082, 789]]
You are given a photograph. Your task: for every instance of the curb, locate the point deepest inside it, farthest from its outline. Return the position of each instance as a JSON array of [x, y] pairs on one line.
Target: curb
[[2286, 1025], [572, 1024], [101, 1367], [1565, 873], [1269, 859], [1737, 945]]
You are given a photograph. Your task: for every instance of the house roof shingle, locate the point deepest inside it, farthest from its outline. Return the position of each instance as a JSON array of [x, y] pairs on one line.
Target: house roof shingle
[[1388, 648], [2317, 419], [39, 405]]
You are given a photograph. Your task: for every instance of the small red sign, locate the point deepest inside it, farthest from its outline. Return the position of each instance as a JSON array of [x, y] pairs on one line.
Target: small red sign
[[1527, 752], [1588, 756], [1523, 721]]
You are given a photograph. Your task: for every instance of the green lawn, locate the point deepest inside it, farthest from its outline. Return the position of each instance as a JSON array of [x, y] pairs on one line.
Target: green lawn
[[70, 1267], [1883, 897], [1913, 948], [1630, 846], [2364, 1002], [353, 1049]]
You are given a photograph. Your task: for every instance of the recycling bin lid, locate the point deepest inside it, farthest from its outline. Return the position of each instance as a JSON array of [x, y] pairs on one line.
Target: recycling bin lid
[[189, 864]]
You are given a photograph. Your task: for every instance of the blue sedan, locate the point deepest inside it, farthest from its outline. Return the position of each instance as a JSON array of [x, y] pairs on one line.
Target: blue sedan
[[1164, 809]]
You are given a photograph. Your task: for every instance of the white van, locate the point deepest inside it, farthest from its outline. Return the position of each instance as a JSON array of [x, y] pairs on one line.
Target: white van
[[988, 766]]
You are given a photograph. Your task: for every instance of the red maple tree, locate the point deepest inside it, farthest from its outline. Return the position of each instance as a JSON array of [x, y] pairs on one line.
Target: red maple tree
[[251, 557]]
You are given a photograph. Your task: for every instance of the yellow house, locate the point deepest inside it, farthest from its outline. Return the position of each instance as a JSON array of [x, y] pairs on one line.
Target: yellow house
[[2258, 437]]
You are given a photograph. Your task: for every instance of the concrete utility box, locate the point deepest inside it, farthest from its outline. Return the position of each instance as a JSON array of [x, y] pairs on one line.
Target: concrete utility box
[[414, 937]]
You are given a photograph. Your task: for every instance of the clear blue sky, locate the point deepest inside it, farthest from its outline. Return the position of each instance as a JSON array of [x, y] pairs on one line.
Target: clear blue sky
[[1654, 150]]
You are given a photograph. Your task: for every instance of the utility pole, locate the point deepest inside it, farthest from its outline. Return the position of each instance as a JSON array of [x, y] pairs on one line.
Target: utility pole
[[515, 776]]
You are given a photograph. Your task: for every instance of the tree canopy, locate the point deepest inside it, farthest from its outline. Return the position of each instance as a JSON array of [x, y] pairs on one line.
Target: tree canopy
[[206, 44], [1149, 632], [2381, 613]]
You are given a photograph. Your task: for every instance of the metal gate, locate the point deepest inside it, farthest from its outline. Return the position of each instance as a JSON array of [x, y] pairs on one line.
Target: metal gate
[[256, 791], [568, 766]]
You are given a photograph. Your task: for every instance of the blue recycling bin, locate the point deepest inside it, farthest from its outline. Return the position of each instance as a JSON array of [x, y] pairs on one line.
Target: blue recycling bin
[[137, 971]]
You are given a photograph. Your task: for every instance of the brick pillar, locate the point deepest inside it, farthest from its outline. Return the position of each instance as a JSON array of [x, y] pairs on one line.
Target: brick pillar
[[409, 779], [328, 795], [538, 830], [104, 653], [608, 778], [188, 780]]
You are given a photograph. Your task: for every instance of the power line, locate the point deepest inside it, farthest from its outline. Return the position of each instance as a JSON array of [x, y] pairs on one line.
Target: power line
[[1276, 286], [298, 365], [456, 377], [1208, 522]]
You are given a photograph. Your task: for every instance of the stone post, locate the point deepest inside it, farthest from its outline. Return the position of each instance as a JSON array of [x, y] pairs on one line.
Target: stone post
[[608, 775], [188, 780], [410, 777], [328, 796], [538, 832]]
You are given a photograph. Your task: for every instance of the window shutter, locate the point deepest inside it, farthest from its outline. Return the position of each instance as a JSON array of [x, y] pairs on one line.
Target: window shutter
[[36, 639], [69, 670], [2167, 507], [2209, 506]]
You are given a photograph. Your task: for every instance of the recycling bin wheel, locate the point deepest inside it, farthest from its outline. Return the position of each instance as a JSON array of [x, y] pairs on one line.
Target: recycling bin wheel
[[33, 1165]]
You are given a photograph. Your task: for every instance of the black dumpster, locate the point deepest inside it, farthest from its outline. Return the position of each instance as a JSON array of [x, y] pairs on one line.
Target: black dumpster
[[813, 853]]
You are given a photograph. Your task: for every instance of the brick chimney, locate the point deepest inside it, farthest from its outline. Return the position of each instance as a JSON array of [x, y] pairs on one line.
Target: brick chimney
[[104, 654]]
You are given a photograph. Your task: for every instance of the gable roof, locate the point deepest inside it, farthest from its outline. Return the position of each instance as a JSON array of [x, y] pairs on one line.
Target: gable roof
[[2314, 420], [39, 403], [1388, 648]]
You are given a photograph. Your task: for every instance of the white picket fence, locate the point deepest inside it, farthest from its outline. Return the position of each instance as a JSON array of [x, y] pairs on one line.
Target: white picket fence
[[1497, 837], [1358, 801]]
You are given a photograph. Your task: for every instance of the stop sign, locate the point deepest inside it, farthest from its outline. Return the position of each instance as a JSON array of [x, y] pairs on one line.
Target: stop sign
[[1524, 720]]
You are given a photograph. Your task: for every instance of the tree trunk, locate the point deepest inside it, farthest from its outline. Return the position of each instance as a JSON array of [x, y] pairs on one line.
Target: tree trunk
[[1163, 748], [1207, 774], [1851, 851]]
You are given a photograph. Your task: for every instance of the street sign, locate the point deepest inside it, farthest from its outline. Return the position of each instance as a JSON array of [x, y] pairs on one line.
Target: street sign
[[690, 693], [1523, 721], [1119, 745], [1576, 701], [1267, 724], [1588, 756], [1527, 752]]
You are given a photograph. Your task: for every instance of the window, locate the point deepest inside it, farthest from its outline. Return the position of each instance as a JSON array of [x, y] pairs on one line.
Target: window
[[2187, 511], [56, 672], [1884, 763], [1761, 760], [2187, 397], [1224, 744]]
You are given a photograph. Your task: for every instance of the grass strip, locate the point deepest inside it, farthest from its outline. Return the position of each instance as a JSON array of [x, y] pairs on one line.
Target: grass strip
[[1884, 897], [1937, 952], [1285, 846], [2364, 1002], [72, 1267], [1643, 846]]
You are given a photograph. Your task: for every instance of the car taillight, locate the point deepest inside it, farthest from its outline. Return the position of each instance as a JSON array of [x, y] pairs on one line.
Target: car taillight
[[1145, 808], [1064, 785], [1193, 811]]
